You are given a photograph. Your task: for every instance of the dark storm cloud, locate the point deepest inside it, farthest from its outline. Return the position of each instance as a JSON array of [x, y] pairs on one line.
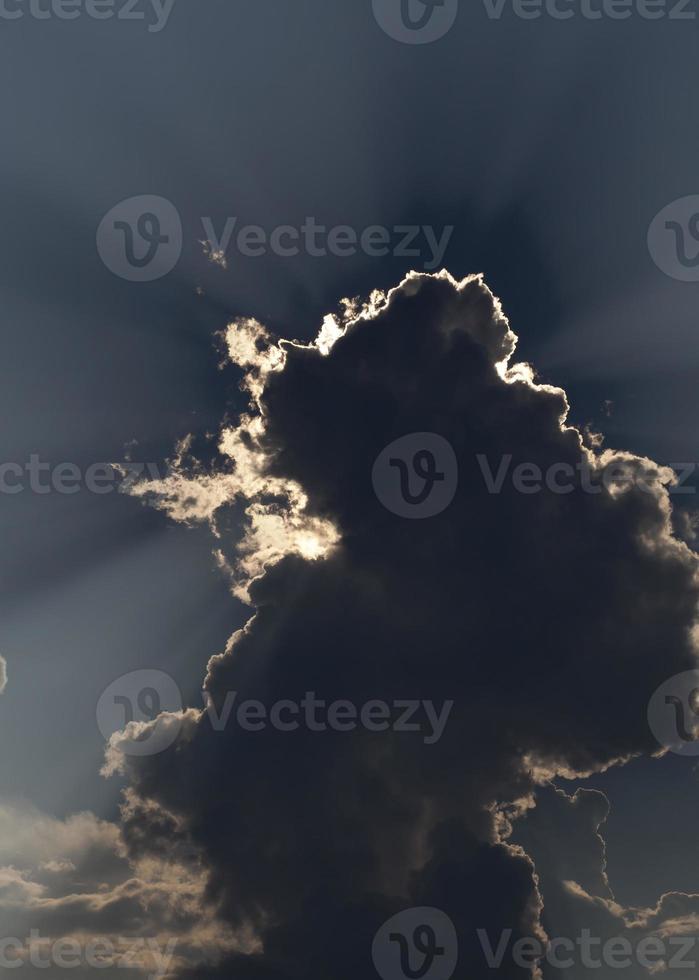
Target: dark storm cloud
[[93, 362], [548, 619], [563, 836]]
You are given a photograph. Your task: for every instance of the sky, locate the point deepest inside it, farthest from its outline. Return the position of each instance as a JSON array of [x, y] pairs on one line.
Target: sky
[[534, 151]]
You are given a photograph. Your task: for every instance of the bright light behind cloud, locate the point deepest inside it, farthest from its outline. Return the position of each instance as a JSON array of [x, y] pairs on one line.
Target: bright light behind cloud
[[275, 522]]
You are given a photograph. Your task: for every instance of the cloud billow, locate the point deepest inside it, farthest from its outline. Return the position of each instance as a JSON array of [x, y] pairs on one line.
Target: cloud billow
[[548, 620]]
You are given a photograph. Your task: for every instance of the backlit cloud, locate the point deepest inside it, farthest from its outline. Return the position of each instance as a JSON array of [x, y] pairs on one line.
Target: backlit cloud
[[548, 619]]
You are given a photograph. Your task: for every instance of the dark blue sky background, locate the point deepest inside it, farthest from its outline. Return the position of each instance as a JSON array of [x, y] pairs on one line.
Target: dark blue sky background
[[548, 145]]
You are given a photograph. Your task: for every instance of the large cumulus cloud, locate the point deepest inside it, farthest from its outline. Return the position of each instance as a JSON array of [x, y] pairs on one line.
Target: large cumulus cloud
[[548, 619]]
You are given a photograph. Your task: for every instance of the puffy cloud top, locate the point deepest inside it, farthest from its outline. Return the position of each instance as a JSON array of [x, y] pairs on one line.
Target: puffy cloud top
[[547, 618]]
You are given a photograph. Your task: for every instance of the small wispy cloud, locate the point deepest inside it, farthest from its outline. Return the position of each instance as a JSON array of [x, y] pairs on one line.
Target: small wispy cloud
[[3, 674]]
